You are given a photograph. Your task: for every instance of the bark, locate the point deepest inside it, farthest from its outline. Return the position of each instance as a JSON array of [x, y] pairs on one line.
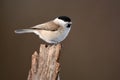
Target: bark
[[45, 64]]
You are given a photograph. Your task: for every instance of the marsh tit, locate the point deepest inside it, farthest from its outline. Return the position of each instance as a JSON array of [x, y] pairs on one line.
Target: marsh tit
[[53, 31]]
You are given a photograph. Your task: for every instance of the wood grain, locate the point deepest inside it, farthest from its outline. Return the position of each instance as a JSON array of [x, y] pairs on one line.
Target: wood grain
[[45, 64]]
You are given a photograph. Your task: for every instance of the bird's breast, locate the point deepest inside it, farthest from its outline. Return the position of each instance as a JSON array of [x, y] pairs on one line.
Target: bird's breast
[[56, 36]]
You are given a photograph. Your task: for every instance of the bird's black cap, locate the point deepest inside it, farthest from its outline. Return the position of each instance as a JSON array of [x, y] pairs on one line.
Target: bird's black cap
[[64, 18]]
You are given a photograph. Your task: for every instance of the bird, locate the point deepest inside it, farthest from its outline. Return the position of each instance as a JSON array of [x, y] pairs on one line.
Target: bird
[[53, 31]]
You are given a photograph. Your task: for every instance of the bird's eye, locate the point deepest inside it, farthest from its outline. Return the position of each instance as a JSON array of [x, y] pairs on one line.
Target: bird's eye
[[68, 25]]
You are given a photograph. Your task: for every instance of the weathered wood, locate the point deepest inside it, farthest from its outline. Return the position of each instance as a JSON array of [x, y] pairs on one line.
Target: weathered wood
[[45, 64]]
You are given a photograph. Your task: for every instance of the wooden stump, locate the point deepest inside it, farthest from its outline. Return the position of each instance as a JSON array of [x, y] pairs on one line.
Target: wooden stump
[[45, 65]]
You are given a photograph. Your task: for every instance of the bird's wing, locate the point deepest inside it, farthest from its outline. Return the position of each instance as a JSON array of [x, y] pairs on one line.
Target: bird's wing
[[49, 26]]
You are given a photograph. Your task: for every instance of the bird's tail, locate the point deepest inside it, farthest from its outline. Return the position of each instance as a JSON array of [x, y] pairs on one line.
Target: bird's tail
[[20, 31]]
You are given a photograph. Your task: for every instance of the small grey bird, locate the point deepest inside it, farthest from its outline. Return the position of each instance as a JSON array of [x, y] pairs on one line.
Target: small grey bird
[[53, 31]]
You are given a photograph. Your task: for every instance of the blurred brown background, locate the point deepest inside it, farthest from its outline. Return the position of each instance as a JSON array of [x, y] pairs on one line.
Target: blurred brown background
[[90, 52]]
